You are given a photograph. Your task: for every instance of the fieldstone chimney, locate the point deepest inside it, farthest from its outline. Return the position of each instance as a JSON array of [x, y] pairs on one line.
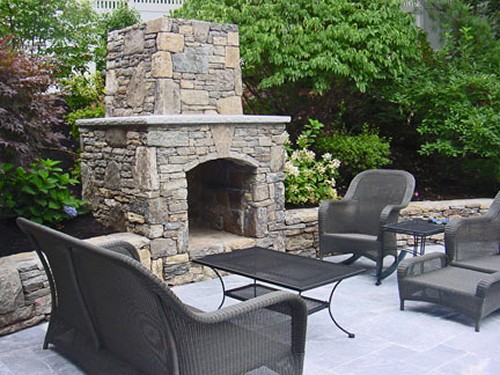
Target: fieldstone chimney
[[173, 66]]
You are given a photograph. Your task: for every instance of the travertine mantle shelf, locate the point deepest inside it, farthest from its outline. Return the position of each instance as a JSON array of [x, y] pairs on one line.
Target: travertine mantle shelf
[[185, 120]]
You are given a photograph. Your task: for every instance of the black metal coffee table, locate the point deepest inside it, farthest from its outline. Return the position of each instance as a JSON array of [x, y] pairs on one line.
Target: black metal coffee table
[[419, 229], [289, 271]]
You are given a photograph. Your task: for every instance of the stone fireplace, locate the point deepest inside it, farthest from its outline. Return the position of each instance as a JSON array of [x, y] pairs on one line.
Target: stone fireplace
[[175, 160]]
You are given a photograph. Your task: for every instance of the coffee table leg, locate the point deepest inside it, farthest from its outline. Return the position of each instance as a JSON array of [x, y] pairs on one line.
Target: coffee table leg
[[223, 287], [350, 334]]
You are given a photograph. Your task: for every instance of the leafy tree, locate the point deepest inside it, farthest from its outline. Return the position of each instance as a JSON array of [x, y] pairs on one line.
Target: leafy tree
[[27, 109], [62, 29], [307, 58], [121, 17], [486, 10]]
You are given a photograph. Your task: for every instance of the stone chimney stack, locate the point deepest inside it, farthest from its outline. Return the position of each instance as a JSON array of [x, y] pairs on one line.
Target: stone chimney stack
[[173, 66]]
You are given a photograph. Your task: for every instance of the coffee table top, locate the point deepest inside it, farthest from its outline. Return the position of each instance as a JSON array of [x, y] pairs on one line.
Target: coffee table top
[[287, 270]]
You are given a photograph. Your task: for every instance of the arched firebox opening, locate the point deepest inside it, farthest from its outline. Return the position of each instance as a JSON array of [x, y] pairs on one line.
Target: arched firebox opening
[[219, 193]]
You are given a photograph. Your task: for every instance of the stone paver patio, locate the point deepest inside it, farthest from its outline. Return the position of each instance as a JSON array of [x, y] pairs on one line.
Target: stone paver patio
[[423, 339]]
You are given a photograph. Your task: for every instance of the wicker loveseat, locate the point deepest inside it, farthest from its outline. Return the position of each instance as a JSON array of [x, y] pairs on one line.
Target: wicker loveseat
[[110, 315]]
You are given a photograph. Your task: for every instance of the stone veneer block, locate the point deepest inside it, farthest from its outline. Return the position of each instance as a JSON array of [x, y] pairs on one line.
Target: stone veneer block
[[229, 106], [197, 97], [232, 57], [167, 97], [193, 60], [233, 39], [162, 65], [134, 42], [201, 31], [146, 175], [161, 24], [136, 91], [170, 42]]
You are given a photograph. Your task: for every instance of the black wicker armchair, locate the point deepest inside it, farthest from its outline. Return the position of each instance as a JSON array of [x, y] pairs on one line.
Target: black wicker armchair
[[465, 278], [112, 316], [431, 278], [355, 224]]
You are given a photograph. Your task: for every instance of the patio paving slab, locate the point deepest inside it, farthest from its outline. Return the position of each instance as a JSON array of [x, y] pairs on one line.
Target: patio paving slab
[[423, 339]]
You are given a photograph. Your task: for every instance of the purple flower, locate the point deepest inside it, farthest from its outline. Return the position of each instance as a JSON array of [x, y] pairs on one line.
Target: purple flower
[[70, 211]]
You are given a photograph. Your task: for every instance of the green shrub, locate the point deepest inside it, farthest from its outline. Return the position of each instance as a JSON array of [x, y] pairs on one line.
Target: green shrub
[[40, 193], [357, 152], [92, 111], [456, 108], [309, 179]]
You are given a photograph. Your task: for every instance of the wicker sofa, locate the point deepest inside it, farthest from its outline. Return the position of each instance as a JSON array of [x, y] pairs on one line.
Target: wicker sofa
[[110, 315]]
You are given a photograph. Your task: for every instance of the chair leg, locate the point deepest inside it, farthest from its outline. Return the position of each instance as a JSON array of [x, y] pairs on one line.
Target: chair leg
[[402, 304], [389, 270], [351, 260], [477, 326]]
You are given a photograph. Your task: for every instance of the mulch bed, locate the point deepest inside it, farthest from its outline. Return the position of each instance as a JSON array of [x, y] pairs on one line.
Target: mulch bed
[[13, 241]]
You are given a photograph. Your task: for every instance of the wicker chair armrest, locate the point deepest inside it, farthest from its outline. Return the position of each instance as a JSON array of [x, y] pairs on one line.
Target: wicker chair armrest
[[122, 247], [281, 301], [490, 282], [390, 213], [297, 307], [419, 265]]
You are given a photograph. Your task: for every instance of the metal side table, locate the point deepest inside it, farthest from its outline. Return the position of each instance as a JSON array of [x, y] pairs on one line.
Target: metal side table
[[418, 228]]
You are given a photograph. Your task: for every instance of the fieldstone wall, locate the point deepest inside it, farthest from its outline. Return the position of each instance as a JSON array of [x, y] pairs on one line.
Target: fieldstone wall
[[24, 288], [302, 224], [24, 292], [172, 66]]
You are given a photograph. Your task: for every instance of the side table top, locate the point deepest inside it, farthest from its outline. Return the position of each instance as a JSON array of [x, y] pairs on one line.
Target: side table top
[[417, 227]]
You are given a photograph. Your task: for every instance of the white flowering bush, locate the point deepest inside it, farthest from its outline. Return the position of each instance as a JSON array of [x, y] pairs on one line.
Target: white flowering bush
[[309, 178]]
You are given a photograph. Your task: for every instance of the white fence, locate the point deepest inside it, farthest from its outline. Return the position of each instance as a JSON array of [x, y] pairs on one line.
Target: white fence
[[148, 9]]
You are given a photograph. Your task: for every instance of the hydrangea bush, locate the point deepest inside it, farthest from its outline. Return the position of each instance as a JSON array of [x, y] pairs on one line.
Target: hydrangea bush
[[40, 193], [309, 178]]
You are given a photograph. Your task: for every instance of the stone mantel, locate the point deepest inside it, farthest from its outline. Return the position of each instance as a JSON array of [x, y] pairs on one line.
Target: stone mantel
[[166, 120]]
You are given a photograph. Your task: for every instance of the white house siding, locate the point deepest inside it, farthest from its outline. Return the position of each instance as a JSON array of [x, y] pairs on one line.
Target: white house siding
[[148, 9], [151, 9]]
